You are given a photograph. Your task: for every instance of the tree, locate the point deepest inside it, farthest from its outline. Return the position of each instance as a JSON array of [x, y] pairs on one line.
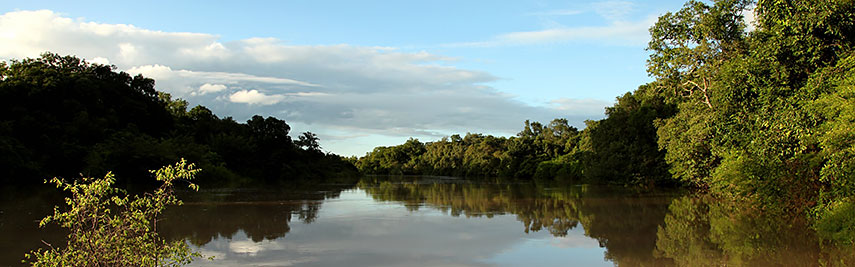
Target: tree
[[269, 130], [623, 146], [309, 141], [689, 46]]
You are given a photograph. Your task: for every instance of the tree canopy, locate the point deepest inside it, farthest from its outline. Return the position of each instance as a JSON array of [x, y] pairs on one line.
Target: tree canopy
[[61, 115]]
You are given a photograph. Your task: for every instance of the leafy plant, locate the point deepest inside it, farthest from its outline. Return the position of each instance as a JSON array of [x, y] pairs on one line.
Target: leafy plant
[[109, 228]]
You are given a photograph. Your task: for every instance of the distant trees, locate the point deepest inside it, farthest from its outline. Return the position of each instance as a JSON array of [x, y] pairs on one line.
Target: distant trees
[[537, 151], [620, 149], [60, 115]]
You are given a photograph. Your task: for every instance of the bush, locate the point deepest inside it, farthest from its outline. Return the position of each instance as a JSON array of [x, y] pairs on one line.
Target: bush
[[109, 228]]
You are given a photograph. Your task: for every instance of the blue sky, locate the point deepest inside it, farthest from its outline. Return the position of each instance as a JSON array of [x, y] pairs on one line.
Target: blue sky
[[360, 74]]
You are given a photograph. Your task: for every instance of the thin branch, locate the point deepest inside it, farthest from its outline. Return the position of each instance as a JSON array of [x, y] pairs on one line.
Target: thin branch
[[48, 244]]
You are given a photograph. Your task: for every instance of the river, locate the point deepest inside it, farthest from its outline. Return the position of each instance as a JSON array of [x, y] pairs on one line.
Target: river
[[442, 221]]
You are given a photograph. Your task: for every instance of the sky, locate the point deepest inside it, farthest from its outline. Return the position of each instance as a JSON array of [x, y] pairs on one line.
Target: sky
[[360, 74]]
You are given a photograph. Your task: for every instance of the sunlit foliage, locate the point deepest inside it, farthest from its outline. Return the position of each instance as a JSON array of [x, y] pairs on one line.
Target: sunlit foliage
[[109, 228]]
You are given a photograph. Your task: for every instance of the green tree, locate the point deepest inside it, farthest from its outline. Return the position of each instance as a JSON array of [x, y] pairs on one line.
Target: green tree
[[623, 147], [689, 48], [836, 139]]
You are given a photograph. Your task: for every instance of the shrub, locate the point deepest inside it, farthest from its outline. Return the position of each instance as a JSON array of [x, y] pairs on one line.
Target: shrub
[[109, 228]]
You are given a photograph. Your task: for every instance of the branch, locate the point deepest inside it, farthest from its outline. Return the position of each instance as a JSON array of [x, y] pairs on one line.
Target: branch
[[48, 244], [706, 96], [703, 89]]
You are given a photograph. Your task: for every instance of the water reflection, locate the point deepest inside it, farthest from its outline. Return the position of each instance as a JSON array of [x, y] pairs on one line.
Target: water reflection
[[621, 221], [704, 231], [412, 221], [260, 214], [400, 220]]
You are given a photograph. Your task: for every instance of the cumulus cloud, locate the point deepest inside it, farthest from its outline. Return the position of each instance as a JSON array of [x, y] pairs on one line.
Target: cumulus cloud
[[335, 88], [211, 88], [255, 97], [100, 60]]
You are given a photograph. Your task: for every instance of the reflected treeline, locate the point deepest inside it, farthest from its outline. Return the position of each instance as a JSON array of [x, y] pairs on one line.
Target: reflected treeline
[[624, 222], [201, 223], [636, 228], [706, 231], [262, 214]]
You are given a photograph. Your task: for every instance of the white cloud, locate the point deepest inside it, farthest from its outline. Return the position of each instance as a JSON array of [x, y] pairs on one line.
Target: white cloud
[[154, 71], [340, 88], [617, 33], [308, 94], [184, 82], [211, 88], [621, 33], [214, 50], [255, 97], [100, 60], [127, 51], [618, 30]]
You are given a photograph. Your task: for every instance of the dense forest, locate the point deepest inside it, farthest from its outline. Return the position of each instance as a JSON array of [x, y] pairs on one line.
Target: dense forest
[[62, 116], [762, 115]]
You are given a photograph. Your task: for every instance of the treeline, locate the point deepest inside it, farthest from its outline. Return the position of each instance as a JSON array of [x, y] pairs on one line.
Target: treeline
[[763, 115], [476, 154], [620, 149], [60, 115]]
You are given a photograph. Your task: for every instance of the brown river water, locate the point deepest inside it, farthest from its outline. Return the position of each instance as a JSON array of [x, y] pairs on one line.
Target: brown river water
[[442, 221]]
